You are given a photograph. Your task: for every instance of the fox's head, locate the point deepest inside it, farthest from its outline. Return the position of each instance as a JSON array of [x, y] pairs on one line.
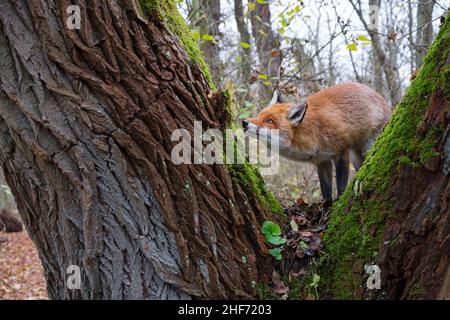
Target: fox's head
[[283, 117]]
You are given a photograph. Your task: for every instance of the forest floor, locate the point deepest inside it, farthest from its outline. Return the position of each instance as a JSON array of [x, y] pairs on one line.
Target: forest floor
[[21, 272]]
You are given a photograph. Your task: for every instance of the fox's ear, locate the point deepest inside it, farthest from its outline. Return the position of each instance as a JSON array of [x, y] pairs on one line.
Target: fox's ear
[[296, 114]]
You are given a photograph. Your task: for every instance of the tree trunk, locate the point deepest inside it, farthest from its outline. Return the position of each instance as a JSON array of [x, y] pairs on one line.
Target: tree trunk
[[396, 212], [380, 61], [424, 34], [86, 120], [377, 63], [268, 48], [246, 61], [207, 22]]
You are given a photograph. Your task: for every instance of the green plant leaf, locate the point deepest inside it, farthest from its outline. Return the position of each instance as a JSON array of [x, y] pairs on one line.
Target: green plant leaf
[[352, 47], [303, 245], [276, 253], [245, 45], [363, 38], [276, 240], [271, 228], [315, 281], [208, 37], [272, 232], [244, 115], [248, 104]]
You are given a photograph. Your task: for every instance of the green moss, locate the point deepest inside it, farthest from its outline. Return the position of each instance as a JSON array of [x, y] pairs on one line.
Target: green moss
[[167, 11], [248, 175], [264, 292], [351, 239], [427, 147], [354, 233]]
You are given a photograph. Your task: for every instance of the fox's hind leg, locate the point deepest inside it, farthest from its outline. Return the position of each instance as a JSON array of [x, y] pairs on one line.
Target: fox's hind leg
[[359, 153], [342, 171], [325, 171], [357, 158]]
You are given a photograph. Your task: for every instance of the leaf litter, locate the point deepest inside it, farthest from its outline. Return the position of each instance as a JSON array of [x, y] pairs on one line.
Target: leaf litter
[[303, 234]]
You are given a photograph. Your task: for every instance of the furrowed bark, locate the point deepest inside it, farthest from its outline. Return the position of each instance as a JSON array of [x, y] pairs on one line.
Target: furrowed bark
[[86, 118]]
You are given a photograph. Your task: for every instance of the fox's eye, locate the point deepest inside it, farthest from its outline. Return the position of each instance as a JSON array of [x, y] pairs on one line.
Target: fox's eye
[[268, 120]]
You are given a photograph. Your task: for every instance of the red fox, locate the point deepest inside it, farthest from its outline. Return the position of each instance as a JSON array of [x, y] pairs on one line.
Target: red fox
[[324, 128]]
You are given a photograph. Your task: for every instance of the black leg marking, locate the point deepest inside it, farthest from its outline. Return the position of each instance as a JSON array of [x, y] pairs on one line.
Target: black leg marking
[[325, 171], [342, 171], [358, 159]]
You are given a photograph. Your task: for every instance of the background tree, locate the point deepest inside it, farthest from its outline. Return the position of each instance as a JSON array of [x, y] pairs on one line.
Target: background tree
[[381, 64], [267, 47], [245, 40], [207, 19], [86, 120], [424, 34]]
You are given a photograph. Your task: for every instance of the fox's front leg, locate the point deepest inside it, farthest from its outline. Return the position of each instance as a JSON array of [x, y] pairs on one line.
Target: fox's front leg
[[342, 170], [325, 171]]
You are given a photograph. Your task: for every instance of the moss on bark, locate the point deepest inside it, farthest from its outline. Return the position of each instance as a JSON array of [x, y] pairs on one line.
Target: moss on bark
[[167, 11], [246, 175]]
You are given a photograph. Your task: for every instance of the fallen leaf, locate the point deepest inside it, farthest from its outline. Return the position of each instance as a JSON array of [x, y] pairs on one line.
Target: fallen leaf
[[294, 225], [310, 297], [280, 287], [306, 233]]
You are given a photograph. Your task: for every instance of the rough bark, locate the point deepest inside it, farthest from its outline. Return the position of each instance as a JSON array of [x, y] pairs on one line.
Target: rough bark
[[86, 119], [268, 48], [424, 34], [396, 212]]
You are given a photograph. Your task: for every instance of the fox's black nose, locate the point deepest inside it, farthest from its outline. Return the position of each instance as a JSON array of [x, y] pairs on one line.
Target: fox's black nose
[[244, 124]]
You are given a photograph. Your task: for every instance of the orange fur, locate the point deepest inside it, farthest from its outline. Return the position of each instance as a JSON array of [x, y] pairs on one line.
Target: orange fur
[[342, 117]]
